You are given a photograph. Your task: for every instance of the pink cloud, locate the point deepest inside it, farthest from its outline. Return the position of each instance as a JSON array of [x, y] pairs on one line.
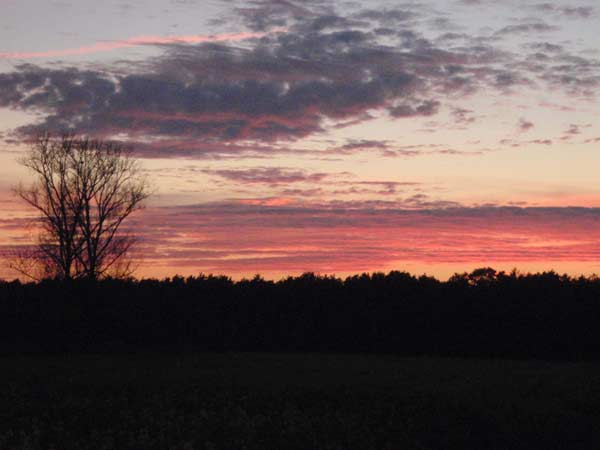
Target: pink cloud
[[137, 41], [277, 237]]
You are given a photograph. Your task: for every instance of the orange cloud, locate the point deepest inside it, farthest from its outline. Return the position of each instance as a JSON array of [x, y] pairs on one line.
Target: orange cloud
[[275, 201], [137, 41], [277, 237]]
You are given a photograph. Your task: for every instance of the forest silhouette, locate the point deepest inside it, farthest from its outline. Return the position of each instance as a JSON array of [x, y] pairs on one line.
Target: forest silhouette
[[480, 314], [84, 189]]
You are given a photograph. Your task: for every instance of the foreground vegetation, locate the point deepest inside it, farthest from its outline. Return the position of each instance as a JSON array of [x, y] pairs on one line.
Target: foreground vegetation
[[481, 314], [301, 401]]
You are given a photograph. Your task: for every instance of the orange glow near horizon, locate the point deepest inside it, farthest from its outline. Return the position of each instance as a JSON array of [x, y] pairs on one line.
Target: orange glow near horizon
[[276, 238]]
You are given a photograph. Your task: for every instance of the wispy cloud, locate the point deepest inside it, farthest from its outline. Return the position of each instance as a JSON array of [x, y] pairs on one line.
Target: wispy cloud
[[272, 176], [525, 125], [138, 41], [580, 12], [276, 235]]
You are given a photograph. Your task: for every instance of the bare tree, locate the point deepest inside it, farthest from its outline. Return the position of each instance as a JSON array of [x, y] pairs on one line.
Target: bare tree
[[84, 190]]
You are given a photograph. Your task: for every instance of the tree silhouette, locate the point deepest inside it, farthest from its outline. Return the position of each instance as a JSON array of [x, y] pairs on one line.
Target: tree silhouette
[[84, 190]]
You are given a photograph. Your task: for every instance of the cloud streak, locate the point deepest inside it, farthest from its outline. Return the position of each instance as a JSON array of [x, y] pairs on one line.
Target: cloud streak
[[272, 176], [138, 41], [277, 236], [282, 238]]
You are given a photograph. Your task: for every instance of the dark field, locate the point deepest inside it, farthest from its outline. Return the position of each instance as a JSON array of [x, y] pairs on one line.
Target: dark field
[[302, 401]]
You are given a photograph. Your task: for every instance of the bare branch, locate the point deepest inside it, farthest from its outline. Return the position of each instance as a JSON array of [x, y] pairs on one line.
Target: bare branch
[[84, 190]]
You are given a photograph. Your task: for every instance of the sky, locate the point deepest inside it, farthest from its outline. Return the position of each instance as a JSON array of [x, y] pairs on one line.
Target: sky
[[335, 137]]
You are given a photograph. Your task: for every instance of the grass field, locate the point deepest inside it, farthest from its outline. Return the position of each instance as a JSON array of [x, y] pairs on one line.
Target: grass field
[[286, 401]]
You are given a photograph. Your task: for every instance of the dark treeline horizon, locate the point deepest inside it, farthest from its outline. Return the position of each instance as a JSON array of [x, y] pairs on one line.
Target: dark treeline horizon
[[484, 313]]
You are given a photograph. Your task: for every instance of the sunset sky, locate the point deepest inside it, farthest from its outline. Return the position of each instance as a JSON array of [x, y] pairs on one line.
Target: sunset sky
[[337, 137]]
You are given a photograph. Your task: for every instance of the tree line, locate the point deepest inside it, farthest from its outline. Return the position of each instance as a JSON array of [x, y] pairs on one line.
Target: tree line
[[83, 190], [481, 314]]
